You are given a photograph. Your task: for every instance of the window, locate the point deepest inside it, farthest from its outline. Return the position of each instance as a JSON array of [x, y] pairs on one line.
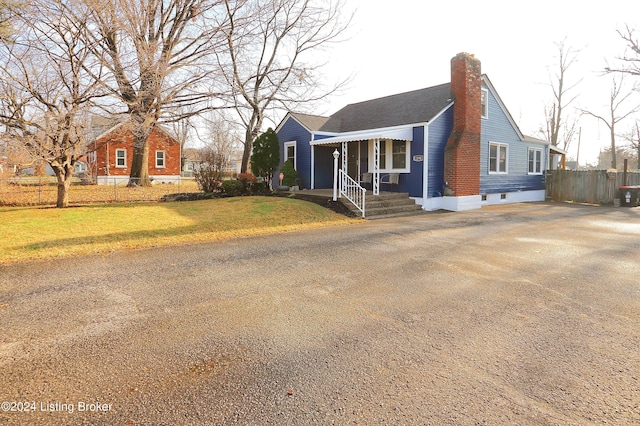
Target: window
[[121, 158], [394, 156], [535, 161], [160, 159], [383, 155], [399, 155], [485, 103], [290, 153], [498, 157]]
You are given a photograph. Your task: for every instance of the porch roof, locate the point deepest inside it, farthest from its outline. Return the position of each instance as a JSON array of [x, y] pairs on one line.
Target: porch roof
[[403, 134]]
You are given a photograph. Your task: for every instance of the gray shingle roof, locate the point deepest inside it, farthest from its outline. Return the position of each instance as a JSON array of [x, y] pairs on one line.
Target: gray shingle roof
[[417, 106], [311, 122]]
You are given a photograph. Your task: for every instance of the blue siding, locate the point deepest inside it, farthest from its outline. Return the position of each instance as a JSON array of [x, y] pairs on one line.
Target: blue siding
[[439, 131], [291, 130], [324, 166], [498, 128], [414, 181]]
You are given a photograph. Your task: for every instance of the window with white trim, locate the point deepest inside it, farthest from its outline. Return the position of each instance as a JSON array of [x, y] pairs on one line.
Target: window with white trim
[[394, 156], [498, 157], [484, 100], [535, 161], [121, 158], [290, 153], [160, 159]]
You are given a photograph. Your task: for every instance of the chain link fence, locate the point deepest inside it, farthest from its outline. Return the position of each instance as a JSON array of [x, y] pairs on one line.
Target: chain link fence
[[43, 191]]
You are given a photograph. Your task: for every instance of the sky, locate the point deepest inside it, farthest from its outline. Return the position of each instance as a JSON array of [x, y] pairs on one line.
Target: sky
[[402, 45]]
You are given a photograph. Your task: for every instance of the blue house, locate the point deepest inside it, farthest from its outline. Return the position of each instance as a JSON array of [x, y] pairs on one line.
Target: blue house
[[454, 146]]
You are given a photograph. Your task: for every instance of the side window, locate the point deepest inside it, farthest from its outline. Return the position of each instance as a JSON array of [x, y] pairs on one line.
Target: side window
[[498, 154], [160, 159], [535, 161], [485, 103], [121, 158], [290, 153]]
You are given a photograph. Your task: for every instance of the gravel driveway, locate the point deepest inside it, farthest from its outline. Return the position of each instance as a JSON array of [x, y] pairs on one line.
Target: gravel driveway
[[524, 314]]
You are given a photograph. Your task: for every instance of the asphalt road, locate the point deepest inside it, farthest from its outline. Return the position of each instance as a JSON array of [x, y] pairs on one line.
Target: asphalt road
[[521, 314]]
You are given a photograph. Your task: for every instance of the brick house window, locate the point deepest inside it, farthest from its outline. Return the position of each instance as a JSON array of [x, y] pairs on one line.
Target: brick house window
[[121, 158], [498, 154], [160, 159]]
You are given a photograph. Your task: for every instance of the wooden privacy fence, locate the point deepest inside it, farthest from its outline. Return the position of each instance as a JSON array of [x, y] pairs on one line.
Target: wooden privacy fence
[[586, 186]]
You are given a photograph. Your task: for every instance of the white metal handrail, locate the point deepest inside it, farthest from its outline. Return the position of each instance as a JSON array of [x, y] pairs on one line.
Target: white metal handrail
[[352, 191]]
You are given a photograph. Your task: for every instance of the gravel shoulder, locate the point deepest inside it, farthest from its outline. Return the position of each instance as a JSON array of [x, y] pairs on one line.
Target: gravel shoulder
[[520, 314]]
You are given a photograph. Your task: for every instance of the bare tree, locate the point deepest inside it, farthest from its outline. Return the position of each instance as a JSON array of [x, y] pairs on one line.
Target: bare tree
[[45, 89], [266, 59], [155, 51], [618, 98], [633, 138], [221, 137], [631, 59], [559, 129]]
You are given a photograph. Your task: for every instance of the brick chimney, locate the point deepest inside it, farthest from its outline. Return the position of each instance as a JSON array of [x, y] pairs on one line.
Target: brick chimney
[[462, 153]]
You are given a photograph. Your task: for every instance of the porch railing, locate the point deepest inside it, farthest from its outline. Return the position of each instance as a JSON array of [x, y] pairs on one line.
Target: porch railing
[[352, 191]]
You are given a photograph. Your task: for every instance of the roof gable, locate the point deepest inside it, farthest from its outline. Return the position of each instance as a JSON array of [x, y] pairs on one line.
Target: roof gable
[[487, 82], [417, 106], [309, 121], [125, 127]]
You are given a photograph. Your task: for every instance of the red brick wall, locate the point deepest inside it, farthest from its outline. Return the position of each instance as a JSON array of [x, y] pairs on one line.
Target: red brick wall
[[122, 138], [462, 153]]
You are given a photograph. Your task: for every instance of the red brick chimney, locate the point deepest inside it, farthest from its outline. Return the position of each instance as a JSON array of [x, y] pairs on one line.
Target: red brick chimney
[[462, 153]]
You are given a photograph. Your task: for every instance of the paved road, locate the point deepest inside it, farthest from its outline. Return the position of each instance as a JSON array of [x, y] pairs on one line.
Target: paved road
[[523, 314]]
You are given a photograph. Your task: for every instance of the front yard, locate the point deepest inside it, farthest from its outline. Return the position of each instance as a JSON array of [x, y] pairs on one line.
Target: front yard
[[37, 233]]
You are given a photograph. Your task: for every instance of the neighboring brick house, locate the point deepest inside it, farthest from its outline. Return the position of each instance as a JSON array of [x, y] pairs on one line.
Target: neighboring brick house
[[454, 146], [114, 155]]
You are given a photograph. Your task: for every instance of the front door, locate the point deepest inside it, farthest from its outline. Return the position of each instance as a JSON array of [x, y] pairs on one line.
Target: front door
[[353, 161]]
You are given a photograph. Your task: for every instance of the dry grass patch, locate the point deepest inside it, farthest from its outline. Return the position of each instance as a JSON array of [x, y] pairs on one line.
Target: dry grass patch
[[38, 233]]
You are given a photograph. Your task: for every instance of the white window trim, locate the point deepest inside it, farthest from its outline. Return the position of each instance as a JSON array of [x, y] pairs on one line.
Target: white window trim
[[539, 151], [387, 168], [506, 165], [486, 98], [164, 159], [294, 144], [124, 157]]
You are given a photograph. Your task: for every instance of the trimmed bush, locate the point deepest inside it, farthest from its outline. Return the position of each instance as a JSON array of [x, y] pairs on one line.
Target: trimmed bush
[[232, 187], [248, 180], [290, 174]]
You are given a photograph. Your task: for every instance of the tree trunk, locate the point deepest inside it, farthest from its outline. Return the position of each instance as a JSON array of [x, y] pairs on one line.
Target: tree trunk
[[141, 130], [614, 161], [139, 175], [64, 174], [246, 154]]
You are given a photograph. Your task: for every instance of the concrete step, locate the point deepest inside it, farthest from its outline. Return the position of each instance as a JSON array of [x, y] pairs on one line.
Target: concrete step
[[390, 204]]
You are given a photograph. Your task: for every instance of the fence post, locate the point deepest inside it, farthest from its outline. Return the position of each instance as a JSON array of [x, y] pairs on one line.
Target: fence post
[[40, 191], [115, 190]]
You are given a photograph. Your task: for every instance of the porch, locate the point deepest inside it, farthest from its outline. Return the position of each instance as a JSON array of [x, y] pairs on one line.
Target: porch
[[384, 205]]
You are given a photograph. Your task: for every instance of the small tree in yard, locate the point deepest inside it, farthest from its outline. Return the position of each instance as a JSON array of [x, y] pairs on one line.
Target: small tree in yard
[[46, 91], [209, 173], [266, 155]]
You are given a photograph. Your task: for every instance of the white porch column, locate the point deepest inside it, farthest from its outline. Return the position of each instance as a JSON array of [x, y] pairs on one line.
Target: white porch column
[[376, 167], [336, 154], [345, 159]]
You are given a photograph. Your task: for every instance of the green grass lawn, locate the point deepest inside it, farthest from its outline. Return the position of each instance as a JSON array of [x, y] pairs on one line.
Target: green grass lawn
[[39, 233]]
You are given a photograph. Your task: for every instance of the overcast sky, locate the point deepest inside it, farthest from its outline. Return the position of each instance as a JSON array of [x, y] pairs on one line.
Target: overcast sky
[[402, 45]]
